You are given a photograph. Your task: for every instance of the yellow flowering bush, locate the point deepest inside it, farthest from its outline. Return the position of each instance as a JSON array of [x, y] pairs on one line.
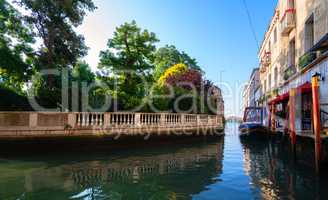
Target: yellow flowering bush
[[172, 71]]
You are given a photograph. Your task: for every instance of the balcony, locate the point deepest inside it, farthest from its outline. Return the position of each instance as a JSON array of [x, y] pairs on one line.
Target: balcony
[[315, 55], [288, 22], [289, 72], [307, 59], [266, 60]]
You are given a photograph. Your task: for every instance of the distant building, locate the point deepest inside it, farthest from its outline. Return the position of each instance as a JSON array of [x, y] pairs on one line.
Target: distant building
[[250, 94], [246, 96], [217, 94], [254, 84], [234, 119]]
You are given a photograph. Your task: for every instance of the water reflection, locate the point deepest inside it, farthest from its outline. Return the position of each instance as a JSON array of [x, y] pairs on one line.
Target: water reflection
[[228, 168], [275, 174], [174, 172]]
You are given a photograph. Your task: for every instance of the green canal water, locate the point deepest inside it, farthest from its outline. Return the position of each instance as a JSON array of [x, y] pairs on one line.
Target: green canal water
[[227, 168]]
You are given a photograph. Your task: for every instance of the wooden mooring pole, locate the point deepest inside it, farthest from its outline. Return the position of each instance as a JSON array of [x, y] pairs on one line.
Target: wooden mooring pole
[[273, 118], [270, 117], [316, 120], [292, 110]]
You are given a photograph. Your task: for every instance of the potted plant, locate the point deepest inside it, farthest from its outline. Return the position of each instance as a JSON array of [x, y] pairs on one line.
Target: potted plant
[[306, 59]]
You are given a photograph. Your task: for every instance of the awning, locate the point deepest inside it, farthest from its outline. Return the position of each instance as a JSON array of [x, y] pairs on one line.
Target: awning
[[305, 88], [279, 98]]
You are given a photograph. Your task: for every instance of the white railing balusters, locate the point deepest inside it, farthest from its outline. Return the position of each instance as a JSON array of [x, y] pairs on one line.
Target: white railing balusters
[[144, 119]]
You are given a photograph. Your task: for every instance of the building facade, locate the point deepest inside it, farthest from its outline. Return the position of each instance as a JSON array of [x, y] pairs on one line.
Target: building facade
[[245, 97], [218, 98], [293, 50], [251, 92], [254, 85]]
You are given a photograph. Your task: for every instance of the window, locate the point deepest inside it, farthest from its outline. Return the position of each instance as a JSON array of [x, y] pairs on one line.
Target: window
[[291, 4], [275, 35], [309, 33], [276, 76], [291, 53]]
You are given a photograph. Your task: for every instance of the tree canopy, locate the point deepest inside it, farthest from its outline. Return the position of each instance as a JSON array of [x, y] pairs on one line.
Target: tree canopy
[[168, 56], [53, 22], [129, 67], [129, 57], [16, 52], [82, 73]]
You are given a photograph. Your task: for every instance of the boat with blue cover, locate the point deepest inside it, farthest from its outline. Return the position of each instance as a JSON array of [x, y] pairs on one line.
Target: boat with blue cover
[[252, 121]]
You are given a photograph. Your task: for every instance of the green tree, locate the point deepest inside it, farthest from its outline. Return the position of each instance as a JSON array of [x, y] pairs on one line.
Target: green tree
[[16, 53], [168, 56], [82, 76], [185, 96], [129, 58], [82, 73], [54, 23]]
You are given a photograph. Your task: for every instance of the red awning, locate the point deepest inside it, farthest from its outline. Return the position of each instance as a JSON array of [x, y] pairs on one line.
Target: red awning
[[305, 88], [280, 98]]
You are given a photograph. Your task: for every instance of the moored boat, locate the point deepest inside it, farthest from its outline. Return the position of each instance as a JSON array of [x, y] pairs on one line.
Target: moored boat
[[248, 128], [252, 121]]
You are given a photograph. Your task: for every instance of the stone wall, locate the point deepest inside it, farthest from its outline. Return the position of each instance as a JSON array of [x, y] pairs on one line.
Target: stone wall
[[24, 124], [14, 119], [54, 119]]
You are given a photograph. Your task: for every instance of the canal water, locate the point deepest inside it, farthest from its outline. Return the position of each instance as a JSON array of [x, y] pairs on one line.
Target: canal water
[[226, 168]]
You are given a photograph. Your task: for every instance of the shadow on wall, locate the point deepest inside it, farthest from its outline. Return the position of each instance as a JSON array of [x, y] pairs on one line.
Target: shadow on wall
[[10, 101]]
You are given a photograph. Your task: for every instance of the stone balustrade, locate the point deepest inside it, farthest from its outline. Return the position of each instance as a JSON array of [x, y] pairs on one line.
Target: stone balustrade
[[45, 123]]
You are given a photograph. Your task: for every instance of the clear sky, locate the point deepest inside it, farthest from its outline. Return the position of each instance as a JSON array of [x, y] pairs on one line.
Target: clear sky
[[215, 32]]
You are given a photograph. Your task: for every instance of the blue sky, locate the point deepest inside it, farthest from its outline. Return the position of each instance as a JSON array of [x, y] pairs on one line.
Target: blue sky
[[215, 32]]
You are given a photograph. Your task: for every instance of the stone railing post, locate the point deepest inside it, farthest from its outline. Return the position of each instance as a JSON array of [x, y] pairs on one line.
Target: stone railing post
[[162, 121], [183, 119], [71, 119], [137, 119], [220, 121], [106, 120], [33, 122], [198, 120]]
